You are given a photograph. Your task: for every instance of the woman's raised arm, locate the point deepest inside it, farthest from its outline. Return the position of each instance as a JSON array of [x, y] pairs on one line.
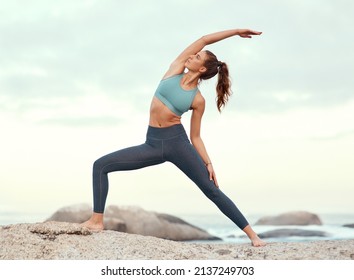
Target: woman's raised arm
[[177, 66]]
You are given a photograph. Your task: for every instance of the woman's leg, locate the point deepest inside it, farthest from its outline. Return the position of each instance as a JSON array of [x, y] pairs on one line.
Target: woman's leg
[[126, 159], [186, 158]]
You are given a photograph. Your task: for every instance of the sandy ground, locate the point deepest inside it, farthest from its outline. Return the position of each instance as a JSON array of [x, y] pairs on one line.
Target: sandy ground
[[57, 240]]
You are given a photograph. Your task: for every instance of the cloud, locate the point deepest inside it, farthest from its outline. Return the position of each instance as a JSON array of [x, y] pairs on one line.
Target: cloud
[[88, 121], [303, 58]]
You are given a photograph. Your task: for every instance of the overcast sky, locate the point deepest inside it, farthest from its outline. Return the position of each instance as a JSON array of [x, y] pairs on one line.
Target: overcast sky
[[77, 78]]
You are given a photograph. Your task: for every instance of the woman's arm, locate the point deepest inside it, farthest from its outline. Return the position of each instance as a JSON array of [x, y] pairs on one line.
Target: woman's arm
[[177, 66], [196, 119]]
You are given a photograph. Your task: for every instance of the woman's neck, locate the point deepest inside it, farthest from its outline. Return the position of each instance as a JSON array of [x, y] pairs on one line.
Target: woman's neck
[[190, 79]]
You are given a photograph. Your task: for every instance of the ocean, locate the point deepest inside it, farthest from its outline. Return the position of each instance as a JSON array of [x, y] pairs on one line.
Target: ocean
[[332, 226], [221, 227]]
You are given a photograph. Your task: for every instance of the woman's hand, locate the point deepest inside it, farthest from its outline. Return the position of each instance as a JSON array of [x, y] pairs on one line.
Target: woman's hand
[[212, 175], [247, 33]]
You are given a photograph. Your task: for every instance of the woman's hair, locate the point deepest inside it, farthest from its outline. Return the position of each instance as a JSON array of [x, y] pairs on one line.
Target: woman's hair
[[223, 86]]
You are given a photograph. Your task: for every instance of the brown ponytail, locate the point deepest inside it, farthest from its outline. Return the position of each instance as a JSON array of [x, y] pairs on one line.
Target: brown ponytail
[[223, 87]]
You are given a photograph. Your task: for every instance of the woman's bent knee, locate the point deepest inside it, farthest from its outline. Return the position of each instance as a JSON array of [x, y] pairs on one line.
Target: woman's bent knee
[[98, 165]]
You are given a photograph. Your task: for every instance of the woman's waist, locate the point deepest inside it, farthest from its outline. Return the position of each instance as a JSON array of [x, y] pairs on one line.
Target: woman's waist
[[166, 132], [160, 122]]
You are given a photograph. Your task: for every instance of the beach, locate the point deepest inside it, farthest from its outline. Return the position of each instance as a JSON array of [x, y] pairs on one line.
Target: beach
[[67, 241]]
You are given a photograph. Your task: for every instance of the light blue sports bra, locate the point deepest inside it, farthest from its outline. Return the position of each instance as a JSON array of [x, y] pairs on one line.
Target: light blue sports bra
[[170, 93]]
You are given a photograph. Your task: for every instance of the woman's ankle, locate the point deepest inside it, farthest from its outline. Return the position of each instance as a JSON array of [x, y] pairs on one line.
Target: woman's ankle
[[97, 218]]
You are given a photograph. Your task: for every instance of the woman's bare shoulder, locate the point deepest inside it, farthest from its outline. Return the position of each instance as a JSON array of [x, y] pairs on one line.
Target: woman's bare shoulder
[[198, 102]]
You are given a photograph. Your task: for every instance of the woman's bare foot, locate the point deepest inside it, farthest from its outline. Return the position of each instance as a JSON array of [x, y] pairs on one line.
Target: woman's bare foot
[[95, 223], [256, 241]]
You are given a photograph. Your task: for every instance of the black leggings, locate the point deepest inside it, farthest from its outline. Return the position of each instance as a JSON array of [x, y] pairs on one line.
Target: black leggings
[[162, 144]]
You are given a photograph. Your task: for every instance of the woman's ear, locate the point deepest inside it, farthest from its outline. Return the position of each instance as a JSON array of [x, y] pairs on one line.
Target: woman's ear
[[202, 69]]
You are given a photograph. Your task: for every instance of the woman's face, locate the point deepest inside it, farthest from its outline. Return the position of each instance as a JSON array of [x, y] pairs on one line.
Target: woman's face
[[196, 62]]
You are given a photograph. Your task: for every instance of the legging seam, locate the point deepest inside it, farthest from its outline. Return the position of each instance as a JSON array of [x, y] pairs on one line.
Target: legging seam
[[162, 149]]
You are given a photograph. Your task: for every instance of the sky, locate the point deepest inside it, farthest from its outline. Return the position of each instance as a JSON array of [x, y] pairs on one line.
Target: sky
[[77, 78]]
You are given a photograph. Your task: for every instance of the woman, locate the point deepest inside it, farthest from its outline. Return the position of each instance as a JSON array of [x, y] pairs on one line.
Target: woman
[[166, 138]]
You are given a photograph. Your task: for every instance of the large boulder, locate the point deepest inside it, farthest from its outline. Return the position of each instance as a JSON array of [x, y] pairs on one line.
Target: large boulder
[[77, 213], [300, 218], [131, 219]]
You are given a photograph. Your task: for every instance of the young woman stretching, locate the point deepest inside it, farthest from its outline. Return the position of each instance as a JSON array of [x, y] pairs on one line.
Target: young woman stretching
[[166, 139]]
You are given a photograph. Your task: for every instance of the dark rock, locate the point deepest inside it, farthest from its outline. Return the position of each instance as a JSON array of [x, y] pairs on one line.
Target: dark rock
[[286, 232], [349, 225], [176, 220]]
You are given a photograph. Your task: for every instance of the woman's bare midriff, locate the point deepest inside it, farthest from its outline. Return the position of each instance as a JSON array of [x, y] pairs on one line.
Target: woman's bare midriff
[[161, 115]]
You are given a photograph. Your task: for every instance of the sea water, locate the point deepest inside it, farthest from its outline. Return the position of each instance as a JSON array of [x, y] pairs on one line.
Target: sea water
[[332, 225]]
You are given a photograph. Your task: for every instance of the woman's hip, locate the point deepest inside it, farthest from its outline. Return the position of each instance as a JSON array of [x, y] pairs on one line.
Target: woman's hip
[[165, 133]]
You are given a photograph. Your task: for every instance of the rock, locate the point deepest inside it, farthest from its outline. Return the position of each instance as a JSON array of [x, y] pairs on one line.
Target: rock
[[137, 221], [349, 225], [77, 213], [286, 232], [66, 241], [223, 252], [300, 218], [111, 223]]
